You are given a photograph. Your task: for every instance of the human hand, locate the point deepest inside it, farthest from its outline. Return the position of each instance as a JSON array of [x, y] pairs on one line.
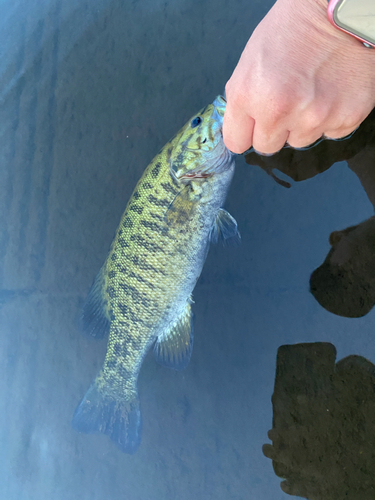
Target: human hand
[[298, 78]]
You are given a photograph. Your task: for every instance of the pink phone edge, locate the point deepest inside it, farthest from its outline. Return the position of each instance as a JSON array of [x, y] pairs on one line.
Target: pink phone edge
[[331, 7]]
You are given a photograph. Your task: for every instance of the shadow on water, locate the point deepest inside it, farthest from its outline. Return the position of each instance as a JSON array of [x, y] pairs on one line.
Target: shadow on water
[[323, 432]]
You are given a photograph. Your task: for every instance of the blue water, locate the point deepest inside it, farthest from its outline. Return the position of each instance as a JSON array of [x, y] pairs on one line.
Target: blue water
[[89, 93]]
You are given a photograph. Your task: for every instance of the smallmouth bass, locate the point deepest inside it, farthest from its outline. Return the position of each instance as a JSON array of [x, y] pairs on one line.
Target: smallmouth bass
[[142, 294]]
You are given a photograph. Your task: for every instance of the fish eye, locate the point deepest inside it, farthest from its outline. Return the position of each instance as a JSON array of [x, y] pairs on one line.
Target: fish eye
[[195, 121]]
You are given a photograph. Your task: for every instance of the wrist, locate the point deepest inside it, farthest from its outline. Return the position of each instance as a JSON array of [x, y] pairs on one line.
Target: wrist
[[309, 20]]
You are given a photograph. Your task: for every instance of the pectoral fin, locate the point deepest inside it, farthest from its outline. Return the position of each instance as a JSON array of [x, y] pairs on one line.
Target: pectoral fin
[[173, 347], [182, 208], [224, 228]]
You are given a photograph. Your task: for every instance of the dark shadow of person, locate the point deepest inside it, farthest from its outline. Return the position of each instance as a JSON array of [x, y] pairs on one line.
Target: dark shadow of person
[[323, 435], [345, 283]]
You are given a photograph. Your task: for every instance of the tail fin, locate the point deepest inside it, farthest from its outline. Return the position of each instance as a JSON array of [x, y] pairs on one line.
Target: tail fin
[[119, 419]]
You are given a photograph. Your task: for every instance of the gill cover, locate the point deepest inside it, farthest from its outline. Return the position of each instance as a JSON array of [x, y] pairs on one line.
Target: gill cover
[[201, 151]]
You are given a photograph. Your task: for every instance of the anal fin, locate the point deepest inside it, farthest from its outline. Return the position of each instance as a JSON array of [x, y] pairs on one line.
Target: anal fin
[[174, 347], [94, 319]]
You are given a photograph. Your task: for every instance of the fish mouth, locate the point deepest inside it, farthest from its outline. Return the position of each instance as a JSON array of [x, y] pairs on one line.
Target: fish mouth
[[220, 100], [219, 105]]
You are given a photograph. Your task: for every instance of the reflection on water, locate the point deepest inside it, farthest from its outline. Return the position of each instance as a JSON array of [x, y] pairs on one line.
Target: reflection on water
[[323, 434], [302, 165], [345, 283]]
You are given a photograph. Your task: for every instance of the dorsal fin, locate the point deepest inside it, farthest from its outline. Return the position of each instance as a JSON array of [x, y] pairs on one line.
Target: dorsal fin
[[94, 320], [173, 347]]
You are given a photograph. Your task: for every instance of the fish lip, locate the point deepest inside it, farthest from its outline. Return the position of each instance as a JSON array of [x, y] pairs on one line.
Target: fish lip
[[218, 99], [219, 105]]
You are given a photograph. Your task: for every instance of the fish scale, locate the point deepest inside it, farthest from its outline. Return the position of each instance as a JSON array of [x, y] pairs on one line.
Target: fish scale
[[142, 294]]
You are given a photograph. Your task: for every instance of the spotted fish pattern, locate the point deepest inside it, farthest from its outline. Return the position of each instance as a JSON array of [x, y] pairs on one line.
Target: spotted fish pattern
[[142, 294]]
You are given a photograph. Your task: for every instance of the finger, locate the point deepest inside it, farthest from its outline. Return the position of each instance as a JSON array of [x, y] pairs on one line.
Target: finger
[[298, 141], [339, 133], [237, 129], [269, 142], [347, 126]]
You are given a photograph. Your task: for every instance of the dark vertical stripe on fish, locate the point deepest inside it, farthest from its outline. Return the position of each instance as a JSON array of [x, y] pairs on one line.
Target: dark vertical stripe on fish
[[164, 202], [153, 226], [156, 170], [169, 188]]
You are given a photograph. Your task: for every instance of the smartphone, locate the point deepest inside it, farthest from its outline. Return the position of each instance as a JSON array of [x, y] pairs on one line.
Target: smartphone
[[356, 17]]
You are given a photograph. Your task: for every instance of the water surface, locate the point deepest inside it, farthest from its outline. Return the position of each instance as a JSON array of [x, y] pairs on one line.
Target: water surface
[[90, 92]]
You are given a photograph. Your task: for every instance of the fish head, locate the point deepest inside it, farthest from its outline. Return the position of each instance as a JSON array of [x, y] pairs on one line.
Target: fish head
[[200, 151]]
